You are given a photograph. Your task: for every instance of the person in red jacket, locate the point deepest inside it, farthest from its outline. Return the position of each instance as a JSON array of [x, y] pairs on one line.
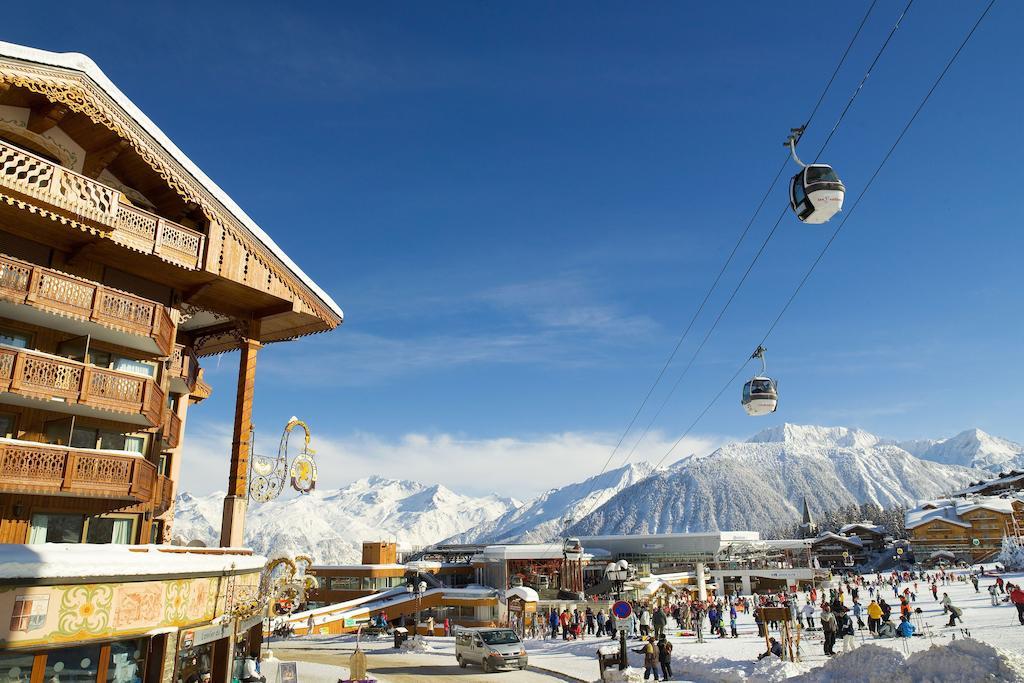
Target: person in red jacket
[[1017, 598]]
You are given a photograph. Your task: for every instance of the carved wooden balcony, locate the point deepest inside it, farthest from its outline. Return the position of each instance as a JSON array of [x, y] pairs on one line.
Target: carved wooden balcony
[[183, 369], [31, 178], [44, 469], [171, 430], [77, 388], [83, 301], [165, 489]]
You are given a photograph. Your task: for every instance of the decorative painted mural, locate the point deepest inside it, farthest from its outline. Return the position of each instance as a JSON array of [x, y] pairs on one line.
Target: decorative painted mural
[[34, 615]]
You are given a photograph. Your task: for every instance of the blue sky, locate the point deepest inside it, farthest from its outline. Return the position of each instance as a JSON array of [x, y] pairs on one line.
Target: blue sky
[[520, 205]]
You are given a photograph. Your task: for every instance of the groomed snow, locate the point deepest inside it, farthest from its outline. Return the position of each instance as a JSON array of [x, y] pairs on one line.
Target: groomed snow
[[992, 653], [75, 560]]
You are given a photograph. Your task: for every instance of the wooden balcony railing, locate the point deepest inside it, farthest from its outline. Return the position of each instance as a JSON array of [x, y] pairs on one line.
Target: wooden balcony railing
[[171, 429], [183, 365], [26, 175], [38, 375], [165, 499], [41, 468], [56, 292]]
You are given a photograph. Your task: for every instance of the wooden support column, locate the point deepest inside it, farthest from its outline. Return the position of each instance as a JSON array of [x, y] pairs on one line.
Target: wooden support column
[[233, 524]]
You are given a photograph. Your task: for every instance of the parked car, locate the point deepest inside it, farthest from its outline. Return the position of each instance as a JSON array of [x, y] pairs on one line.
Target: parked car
[[492, 648]]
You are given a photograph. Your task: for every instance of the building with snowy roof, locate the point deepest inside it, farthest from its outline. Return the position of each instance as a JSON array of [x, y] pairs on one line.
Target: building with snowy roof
[[971, 527], [121, 265]]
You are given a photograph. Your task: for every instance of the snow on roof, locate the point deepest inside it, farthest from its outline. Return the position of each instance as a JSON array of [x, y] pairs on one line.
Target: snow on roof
[[829, 536], [950, 510], [79, 62], [524, 592], [869, 526], [87, 560], [525, 551]]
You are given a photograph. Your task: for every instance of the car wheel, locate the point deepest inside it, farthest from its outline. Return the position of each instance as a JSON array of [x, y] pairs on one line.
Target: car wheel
[[461, 661], [487, 666]]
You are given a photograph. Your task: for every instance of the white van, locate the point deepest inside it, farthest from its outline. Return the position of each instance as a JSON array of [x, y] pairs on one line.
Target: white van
[[492, 648]]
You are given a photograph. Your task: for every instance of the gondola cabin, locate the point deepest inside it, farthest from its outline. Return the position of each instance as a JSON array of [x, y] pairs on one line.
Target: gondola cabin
[[760, 396], [816, 194]]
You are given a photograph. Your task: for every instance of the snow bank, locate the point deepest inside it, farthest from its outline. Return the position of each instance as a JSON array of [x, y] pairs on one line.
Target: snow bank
[[966, 660], [417, 645], [960, 660], [727, 670], [627, 675]]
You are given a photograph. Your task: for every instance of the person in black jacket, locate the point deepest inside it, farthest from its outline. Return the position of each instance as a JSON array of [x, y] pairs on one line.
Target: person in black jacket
[[774, 648], [665, 657]]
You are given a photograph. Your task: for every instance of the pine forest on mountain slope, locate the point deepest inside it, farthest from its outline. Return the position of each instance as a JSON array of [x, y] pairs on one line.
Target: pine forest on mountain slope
[[758, 485]]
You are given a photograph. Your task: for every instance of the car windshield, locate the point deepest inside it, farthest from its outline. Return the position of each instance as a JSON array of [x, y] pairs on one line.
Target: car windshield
[[821, 174], [503, 637]]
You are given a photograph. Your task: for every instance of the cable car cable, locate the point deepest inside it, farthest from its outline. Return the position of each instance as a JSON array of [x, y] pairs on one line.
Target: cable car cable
[[836, 232], [764, 244], [729, 259]]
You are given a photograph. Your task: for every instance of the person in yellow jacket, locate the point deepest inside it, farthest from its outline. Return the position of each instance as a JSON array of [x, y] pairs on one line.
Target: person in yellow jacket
[[874, 616]]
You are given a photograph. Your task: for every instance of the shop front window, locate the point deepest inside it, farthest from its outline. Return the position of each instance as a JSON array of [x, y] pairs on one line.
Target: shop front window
[[194, 662], [15, 668], [127, 662], [73, 664]]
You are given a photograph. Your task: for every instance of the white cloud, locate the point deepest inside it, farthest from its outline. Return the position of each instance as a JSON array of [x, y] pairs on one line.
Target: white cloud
[[520, 467]]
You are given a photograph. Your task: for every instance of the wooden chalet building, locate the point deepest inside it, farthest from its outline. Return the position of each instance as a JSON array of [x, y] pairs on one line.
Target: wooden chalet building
[[972, 528], [122, 266]]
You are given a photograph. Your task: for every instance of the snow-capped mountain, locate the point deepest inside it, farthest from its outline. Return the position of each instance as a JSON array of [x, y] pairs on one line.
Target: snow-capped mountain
[[544, 517], [332, 524], [760, 484], [973, 448]]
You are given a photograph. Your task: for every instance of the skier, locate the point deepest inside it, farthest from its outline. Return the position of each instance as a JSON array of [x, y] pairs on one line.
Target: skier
[[999, 582], [845, 629], [954, 614], [828, 627], [808, 611], [974, 580], [994, 594], [1017, 598]]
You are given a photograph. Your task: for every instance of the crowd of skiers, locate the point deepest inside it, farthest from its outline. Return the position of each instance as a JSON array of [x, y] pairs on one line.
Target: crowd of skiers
[[837, 612]]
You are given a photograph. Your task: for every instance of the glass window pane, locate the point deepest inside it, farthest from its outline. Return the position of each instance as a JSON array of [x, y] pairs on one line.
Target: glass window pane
[[112, 441], [139, 367], [127, 662], [15, 668], [83, 437], [12, 338], [7, 427], [73, 664], [135, 444], [100, 359], [56, 528]]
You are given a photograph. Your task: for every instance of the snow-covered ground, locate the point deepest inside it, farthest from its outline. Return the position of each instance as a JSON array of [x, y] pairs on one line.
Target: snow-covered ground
[[992, 652]]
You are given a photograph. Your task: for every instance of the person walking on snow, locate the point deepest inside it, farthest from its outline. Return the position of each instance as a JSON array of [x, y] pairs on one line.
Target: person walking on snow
[[650, 654], [828, 628], [1017, 598], [994, 594], [808, 611], [845, 630], [665, 657], [999, 582], [974, 580], [935, 591], [946, 603], [659, 620]]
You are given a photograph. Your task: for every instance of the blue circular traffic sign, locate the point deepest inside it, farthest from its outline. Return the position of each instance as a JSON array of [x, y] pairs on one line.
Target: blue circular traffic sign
[[622, 610]]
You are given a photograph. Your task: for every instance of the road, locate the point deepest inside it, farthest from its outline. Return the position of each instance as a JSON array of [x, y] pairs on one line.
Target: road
[[408, 667]]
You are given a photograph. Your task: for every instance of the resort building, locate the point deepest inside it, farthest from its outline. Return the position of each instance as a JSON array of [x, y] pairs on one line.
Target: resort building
[[121, 267], [971, 528]]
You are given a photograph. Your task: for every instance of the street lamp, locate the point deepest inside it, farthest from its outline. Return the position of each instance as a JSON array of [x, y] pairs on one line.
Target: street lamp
[[618, 573]]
